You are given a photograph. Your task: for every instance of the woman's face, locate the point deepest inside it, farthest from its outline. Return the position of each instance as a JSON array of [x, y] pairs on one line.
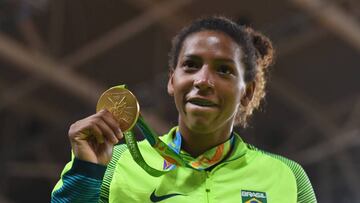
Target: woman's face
[[208, 82]]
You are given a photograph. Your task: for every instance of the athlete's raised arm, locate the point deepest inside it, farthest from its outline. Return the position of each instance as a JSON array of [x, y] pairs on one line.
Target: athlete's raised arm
[[92, 140]]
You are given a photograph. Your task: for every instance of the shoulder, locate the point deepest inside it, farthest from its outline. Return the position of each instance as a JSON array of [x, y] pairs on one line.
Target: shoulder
[[295, 167], [303, 184], [275, 159], [119, 150]]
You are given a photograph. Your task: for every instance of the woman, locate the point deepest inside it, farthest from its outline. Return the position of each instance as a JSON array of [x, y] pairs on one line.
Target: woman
[[217, 80]]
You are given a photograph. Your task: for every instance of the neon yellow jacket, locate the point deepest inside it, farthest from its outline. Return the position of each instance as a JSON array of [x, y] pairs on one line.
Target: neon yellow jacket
[[248, 175]]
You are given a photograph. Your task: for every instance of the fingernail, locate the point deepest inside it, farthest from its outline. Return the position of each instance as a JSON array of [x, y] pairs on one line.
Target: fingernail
[[119, 134], [115, 140]]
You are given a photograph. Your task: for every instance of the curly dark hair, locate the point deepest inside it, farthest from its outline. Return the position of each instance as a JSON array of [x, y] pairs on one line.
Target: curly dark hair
[[258, 55]]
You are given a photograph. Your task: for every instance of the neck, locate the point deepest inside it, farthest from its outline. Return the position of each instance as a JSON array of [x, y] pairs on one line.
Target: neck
[[196, 142]]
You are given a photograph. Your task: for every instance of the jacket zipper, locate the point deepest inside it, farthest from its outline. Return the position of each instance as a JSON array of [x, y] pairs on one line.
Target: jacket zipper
[[207, 189]]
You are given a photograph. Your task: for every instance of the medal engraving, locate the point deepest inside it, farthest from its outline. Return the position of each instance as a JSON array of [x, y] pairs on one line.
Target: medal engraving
[[122, 104]]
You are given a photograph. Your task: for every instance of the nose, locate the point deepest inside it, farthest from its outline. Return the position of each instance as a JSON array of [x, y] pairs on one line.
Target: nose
[[204, 79]]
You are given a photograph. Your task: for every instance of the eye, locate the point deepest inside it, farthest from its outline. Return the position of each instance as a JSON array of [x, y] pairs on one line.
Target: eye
[[191, 64], [225, 70]]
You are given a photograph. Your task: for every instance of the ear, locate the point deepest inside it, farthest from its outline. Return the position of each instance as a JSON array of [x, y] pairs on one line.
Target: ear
[[170, 87], [249, 93]]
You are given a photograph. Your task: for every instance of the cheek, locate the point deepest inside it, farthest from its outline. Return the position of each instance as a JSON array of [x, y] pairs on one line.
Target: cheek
[[233, 104], [178, 99], [182, 83], [179, 91], [234, 98]]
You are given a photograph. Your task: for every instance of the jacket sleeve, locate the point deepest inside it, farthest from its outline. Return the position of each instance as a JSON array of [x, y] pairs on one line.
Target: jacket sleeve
[[80, 182], [83, 181], [306, 192]]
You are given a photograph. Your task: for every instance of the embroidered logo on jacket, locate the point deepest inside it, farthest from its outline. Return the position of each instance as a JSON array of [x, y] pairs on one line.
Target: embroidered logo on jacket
[[253, 196], [158, 198]]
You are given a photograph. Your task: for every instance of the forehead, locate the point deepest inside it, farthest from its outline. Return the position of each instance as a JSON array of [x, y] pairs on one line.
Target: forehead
[[211, 43]]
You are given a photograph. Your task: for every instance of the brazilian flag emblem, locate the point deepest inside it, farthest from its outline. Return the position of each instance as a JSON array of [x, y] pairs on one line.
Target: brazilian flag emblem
[[253, 196]]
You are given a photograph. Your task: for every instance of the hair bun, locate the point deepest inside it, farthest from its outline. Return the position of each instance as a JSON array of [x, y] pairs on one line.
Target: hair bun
[[264, 48]]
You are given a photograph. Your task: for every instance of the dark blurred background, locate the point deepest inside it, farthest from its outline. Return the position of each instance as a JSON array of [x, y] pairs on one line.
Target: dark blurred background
[[57, 56]]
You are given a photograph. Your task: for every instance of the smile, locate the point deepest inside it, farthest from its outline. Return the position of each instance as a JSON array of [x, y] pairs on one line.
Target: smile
[[202, 102]]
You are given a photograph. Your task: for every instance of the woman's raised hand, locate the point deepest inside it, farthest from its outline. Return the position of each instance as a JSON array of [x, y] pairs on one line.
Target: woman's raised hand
[[93, 138]]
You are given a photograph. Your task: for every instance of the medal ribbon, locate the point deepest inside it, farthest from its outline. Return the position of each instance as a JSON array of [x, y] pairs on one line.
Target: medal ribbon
[[166, 152], [171, 153], [205, 160]]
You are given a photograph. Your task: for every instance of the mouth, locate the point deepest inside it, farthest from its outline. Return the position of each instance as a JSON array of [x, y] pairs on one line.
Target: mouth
[[202, 102]]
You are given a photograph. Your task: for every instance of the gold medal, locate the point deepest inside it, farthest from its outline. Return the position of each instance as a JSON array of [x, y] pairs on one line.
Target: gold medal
[[125, 108], [122, 104]]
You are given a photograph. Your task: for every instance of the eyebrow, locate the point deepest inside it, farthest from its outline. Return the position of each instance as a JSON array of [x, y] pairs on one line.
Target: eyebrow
[[196, 57]]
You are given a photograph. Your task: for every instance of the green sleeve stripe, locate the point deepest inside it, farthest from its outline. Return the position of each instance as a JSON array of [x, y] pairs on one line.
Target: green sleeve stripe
[[117, 152], [77, 188], [67, 167], [304, 188], [79, 184]]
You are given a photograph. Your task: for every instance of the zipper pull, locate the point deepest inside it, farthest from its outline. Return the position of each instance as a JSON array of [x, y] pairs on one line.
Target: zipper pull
[[207, 174]]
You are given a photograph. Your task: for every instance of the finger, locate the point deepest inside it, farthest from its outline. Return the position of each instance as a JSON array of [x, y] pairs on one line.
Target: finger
[[112, 123], [107, 132], [91, 131], [97, 133]]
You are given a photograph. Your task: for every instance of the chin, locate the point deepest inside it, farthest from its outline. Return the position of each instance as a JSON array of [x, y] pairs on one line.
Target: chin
[[201, 127]]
